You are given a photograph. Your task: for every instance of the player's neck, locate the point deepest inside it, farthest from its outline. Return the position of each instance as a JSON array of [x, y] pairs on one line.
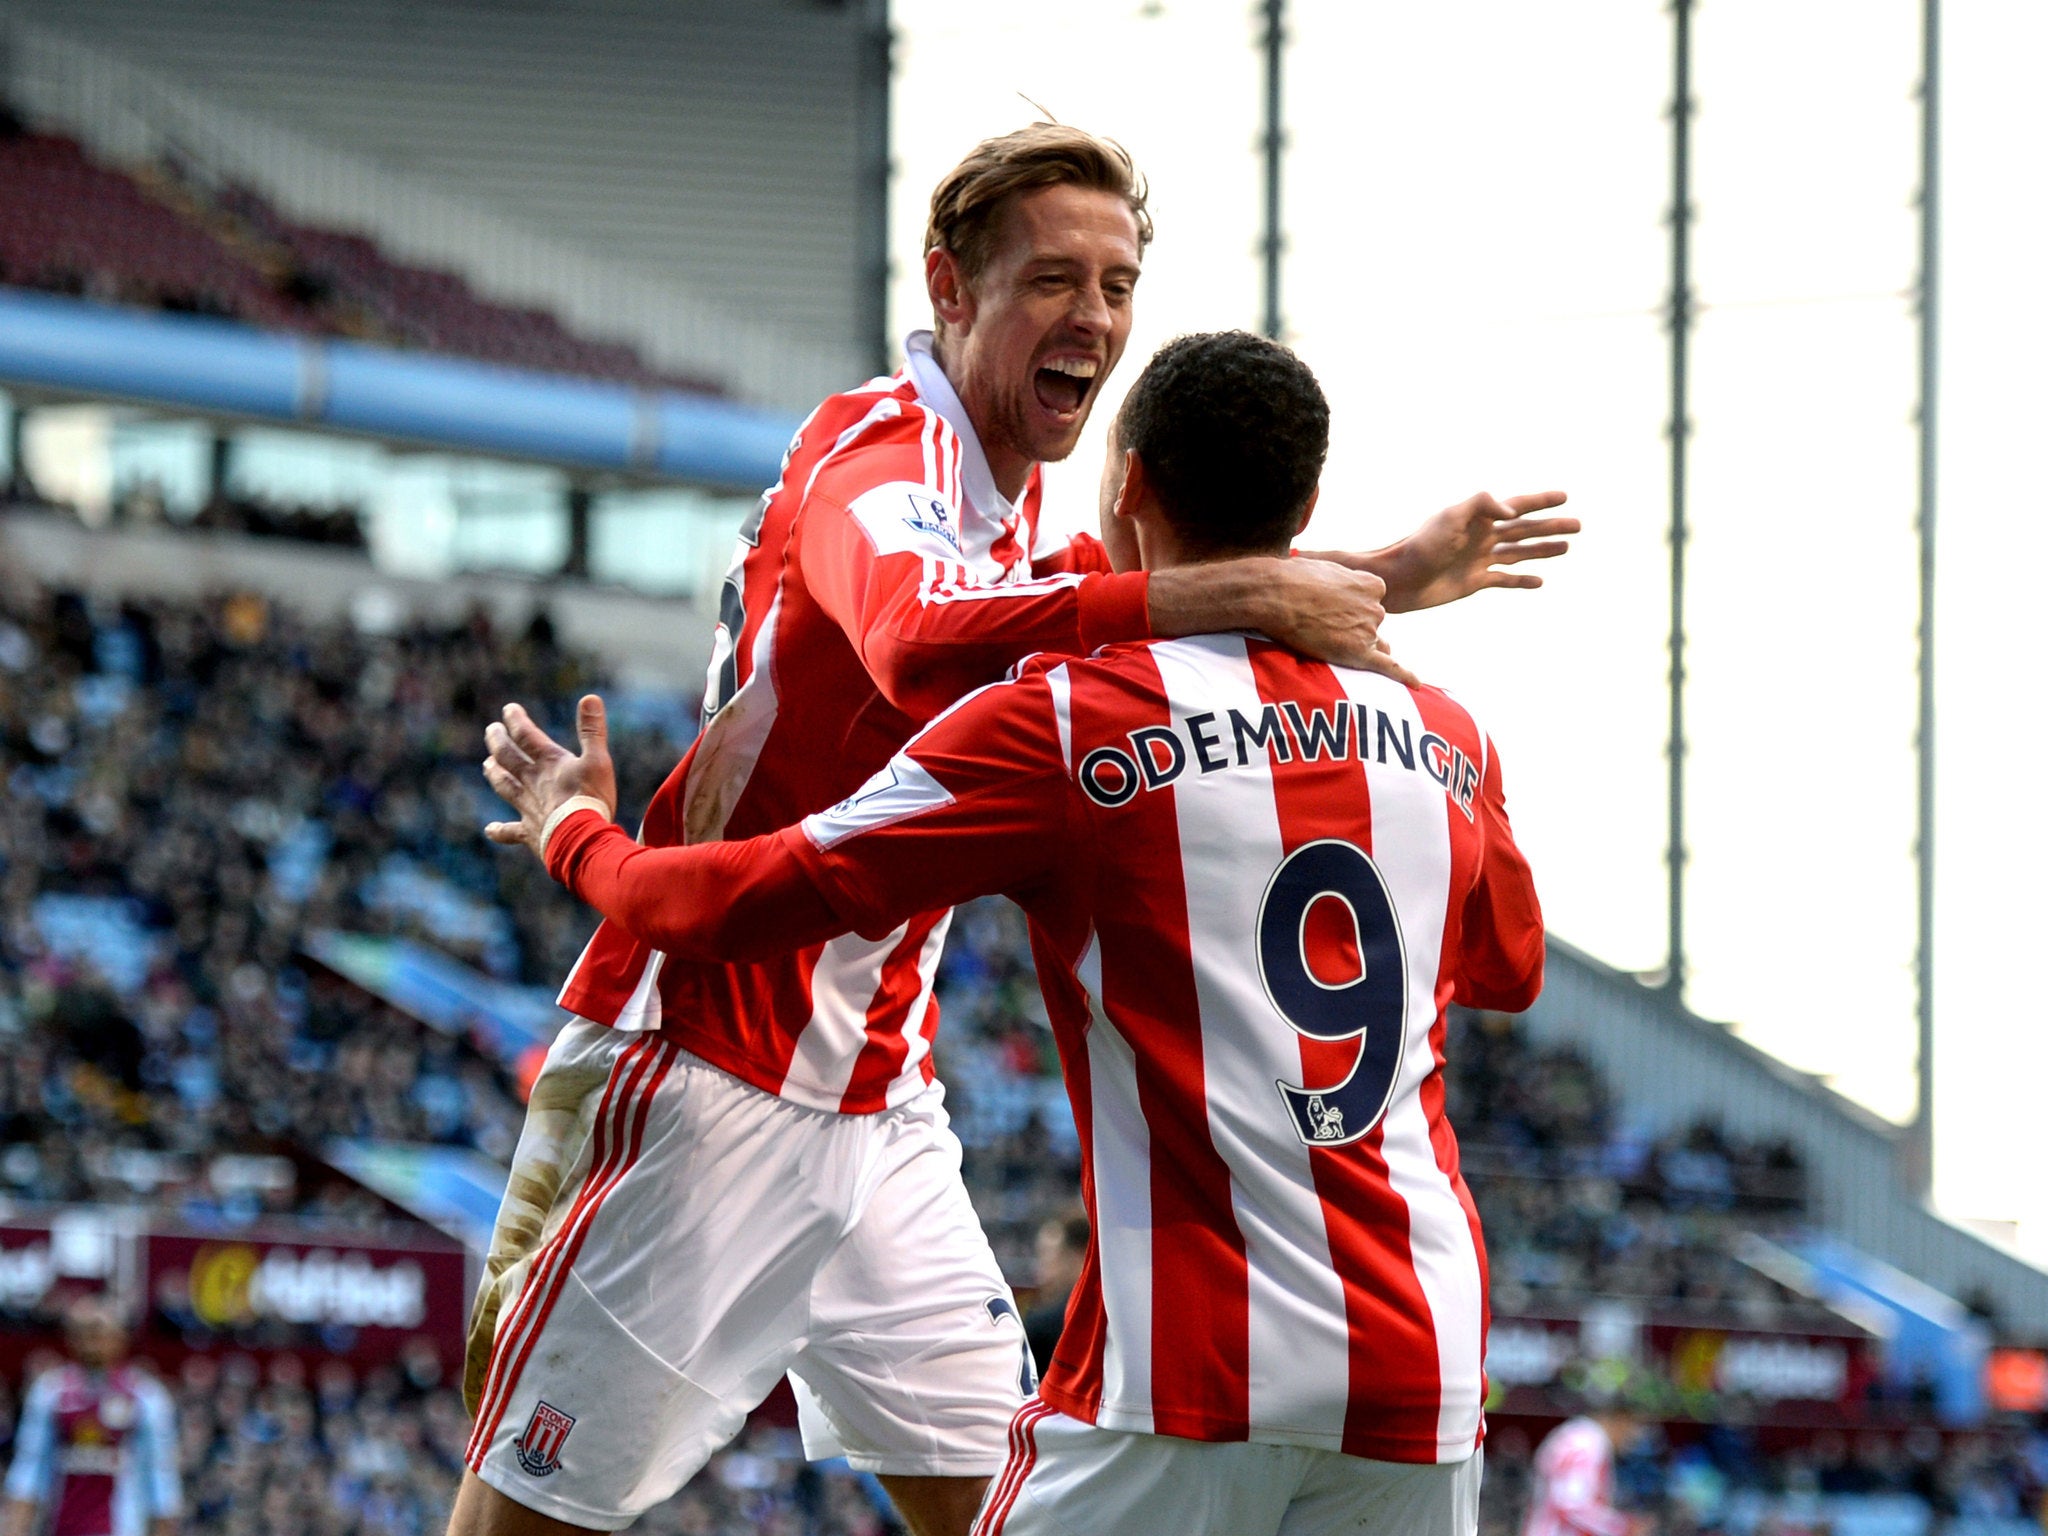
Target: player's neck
[[1161, 548], [1009, 468]]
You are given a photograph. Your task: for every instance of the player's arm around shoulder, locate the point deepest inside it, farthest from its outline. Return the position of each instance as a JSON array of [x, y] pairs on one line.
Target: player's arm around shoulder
[[880, 544]]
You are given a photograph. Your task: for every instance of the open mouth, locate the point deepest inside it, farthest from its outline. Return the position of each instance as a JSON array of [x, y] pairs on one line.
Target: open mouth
[[1062, 387]]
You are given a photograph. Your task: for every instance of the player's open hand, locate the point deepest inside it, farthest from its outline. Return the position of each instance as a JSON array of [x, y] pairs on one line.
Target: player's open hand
[[536, 775], [1468, 548]]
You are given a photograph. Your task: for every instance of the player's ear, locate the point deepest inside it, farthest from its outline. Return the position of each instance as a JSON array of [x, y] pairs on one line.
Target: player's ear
[[952, 298], [1131, 494]]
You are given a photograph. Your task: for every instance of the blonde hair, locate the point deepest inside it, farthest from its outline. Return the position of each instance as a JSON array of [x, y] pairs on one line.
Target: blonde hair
[[965, 203]]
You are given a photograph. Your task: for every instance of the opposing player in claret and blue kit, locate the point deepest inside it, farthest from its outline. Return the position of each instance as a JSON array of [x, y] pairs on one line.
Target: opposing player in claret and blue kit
[[736, 1161], [1246, 951], [96, 1451]]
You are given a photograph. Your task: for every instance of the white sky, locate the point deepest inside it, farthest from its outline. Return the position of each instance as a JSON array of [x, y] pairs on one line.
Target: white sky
[[1474, 204]]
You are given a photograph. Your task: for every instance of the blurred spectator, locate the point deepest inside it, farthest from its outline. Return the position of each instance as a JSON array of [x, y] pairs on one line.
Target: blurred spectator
[[1062, 1245], [1574, 1487], [96, 1453]]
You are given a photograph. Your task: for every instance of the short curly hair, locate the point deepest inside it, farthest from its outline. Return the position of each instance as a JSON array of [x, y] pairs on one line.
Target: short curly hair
[[965, 204], [1232, 430]]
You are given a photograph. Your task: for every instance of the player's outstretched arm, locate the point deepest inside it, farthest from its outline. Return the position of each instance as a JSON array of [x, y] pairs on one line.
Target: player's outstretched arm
[[1466, 549], [709, 901], [980, 808]]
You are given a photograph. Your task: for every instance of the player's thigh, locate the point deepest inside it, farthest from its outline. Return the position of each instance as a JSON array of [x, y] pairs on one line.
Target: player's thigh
[[550, 1160], [917, 1359], [480, 1510], [1065, 1477], [668, 1296], [936, 1506], [1357, 1497]]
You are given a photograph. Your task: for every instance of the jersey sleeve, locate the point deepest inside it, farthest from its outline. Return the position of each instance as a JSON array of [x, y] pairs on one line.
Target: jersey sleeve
[[884, 561], [974, 805], [158, 1421], [705, 902], [1500, 963], [35, 1443], [979, 803]]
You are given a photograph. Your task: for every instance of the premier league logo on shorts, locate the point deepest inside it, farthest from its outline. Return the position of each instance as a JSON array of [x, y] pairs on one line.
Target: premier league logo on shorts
[[539, 1446]]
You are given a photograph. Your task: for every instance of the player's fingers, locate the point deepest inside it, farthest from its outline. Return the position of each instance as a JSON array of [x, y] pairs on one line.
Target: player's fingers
[[1538, 528], [505, 783], [1485, 504], [591, 731], [1509, 554], [530, 738], [1517, 581], [1536, 501], [502, 747], [505, 832], [512, 762], [1382, 661]]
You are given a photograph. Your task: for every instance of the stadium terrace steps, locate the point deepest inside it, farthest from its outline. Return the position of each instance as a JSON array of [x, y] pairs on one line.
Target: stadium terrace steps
[[738, 273]]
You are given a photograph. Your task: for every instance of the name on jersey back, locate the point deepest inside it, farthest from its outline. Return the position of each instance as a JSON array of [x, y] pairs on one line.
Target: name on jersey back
[[1215, 741]]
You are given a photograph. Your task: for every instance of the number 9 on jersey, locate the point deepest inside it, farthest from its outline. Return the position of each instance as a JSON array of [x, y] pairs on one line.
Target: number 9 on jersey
[[1325, 897]]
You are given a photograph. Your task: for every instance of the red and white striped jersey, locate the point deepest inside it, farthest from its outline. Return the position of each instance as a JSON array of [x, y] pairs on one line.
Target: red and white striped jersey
[[881, 577], [1574, 1492], [1255, 882]]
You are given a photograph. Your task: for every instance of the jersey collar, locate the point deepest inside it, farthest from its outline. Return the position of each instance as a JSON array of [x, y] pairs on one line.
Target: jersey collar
[[934, 387]]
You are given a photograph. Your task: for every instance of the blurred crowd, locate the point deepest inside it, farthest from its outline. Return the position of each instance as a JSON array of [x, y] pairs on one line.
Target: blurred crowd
[[266, 1448], [186, 792], [334, 1451], [142, 506], [1575, 1202], [1725, 1483]]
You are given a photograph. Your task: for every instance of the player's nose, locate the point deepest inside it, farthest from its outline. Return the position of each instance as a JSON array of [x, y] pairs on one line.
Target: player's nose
[[1090, 312]]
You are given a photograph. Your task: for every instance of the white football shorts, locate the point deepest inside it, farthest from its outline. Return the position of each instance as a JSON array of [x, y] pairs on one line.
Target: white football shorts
[[672, 1240], [1064, 1476]]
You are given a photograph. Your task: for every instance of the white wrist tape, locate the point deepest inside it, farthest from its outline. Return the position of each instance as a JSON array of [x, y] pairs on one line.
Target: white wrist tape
[[566, 809]]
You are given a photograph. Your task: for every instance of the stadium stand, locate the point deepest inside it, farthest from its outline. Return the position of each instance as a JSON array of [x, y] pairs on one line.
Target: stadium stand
[[196, 789], [162, 238], [701, 180]]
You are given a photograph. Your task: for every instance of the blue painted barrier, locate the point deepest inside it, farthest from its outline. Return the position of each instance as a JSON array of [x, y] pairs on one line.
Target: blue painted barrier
[[189, 362]]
